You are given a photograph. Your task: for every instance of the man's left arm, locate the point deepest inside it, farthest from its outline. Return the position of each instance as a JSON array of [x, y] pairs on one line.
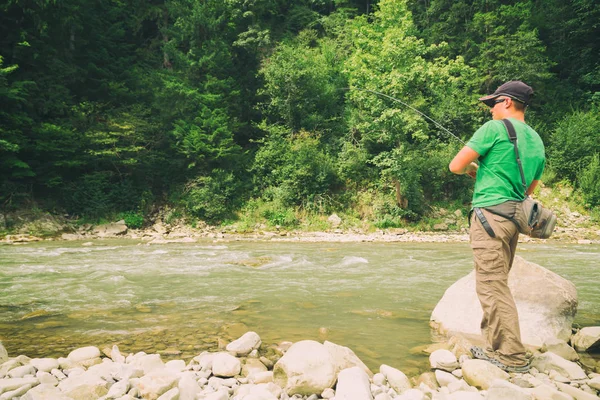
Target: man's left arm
[[464, 162]]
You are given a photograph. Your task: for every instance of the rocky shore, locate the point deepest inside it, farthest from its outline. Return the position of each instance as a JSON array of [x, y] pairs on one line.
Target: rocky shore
[[161, 233], [246, 369]]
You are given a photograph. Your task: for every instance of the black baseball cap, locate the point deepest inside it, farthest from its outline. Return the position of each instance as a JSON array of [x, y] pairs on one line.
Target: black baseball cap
[[516, 90]]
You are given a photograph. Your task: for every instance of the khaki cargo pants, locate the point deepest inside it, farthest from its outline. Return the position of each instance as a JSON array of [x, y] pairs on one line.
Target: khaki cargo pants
[[493, 259]]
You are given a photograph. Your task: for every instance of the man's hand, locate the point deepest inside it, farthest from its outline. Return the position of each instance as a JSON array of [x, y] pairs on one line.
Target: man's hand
[[464, 162], [471, 170]]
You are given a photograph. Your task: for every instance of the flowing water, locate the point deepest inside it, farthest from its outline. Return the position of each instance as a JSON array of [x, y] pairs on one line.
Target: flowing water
[[180, 299]]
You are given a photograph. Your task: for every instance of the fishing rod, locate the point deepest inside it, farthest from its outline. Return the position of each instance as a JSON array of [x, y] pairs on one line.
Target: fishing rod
[[409, 106]]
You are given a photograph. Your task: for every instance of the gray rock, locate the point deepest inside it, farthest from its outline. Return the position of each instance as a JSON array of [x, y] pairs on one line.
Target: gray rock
[[3, 354], [245, 344], [344, 357], [412, 394], [262, 377], [460, 385], [147, 362], [84, 385], [541, 317], [382, 396], [113, 229], [188, 387], [9, 384], [204, 360], [578, 394], [253, 366], [587, 339], [328, 393], [462, 395], [561, 348], [116, 355], [171, 394], [306, 368], [444, 378], [83, 354], [225, 365], [440, 227], [44, 364], [117, 390], [15, 394], [396, 378], [156, 383], [443, 359], [45, 392], [58, 374], [46, 378], [353, 384], [503, 390], [595, 382], [549, 361], [481, 374], [334, 220], [20, 372], [71, 236], [549, 392], [379, 379]]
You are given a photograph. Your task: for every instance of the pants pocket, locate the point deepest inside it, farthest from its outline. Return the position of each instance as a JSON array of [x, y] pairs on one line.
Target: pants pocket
[[488, 259]]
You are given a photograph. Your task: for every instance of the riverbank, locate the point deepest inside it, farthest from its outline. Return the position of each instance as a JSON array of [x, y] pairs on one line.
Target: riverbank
[[161, 234], [246, 369]]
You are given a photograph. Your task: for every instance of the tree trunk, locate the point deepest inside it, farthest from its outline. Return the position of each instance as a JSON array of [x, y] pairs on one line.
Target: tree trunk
[[401, 201]]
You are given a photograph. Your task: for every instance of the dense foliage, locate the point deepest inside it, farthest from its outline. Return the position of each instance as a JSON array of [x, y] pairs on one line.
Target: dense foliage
[[216, 106]]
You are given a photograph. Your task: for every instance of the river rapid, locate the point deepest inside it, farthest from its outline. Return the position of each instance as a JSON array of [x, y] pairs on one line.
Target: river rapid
[[179, 299]]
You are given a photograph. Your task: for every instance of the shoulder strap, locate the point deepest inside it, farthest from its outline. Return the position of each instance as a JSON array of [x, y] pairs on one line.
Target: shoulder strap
[[512, 135]]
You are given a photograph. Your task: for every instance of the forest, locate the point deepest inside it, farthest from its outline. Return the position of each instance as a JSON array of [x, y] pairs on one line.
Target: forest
[[220, 109]]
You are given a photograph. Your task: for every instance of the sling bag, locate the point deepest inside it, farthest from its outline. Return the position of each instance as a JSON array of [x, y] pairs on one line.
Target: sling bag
[[529, 215]]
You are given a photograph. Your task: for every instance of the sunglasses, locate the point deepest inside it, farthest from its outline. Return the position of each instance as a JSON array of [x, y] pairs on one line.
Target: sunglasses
[[498, 101]]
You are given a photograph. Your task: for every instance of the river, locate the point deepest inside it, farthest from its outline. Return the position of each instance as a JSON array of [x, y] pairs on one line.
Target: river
[[179, 299]]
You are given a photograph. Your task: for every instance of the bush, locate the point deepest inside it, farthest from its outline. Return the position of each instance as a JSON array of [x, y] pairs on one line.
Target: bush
[[589, 182], [133, 220], [211, 198], [573, 144], [296, 165]]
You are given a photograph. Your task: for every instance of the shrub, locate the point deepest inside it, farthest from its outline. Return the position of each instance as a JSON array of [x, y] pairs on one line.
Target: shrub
[[133, 219], [211, 198], [589, 182], [296, 165], [573, 144]]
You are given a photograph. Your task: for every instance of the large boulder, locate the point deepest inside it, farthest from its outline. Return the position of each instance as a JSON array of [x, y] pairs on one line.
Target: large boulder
[[306, 368], [541, 316]]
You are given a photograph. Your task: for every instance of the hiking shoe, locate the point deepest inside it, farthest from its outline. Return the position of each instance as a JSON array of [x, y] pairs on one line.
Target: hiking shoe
[[480, 354]]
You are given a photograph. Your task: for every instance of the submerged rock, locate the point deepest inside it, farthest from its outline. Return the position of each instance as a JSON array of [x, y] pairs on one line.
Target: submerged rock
[[541, 316]]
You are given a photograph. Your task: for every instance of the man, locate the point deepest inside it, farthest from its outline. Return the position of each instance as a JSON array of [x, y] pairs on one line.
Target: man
[[497, 181]]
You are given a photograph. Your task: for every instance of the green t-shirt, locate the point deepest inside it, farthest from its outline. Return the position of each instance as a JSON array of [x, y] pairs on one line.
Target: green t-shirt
[[498, 178]]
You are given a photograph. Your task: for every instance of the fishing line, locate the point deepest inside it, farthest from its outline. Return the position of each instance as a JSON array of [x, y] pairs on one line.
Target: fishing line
[[409, 106]]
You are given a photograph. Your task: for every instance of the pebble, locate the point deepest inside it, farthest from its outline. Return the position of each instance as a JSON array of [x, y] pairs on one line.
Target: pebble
[[128, 378]]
